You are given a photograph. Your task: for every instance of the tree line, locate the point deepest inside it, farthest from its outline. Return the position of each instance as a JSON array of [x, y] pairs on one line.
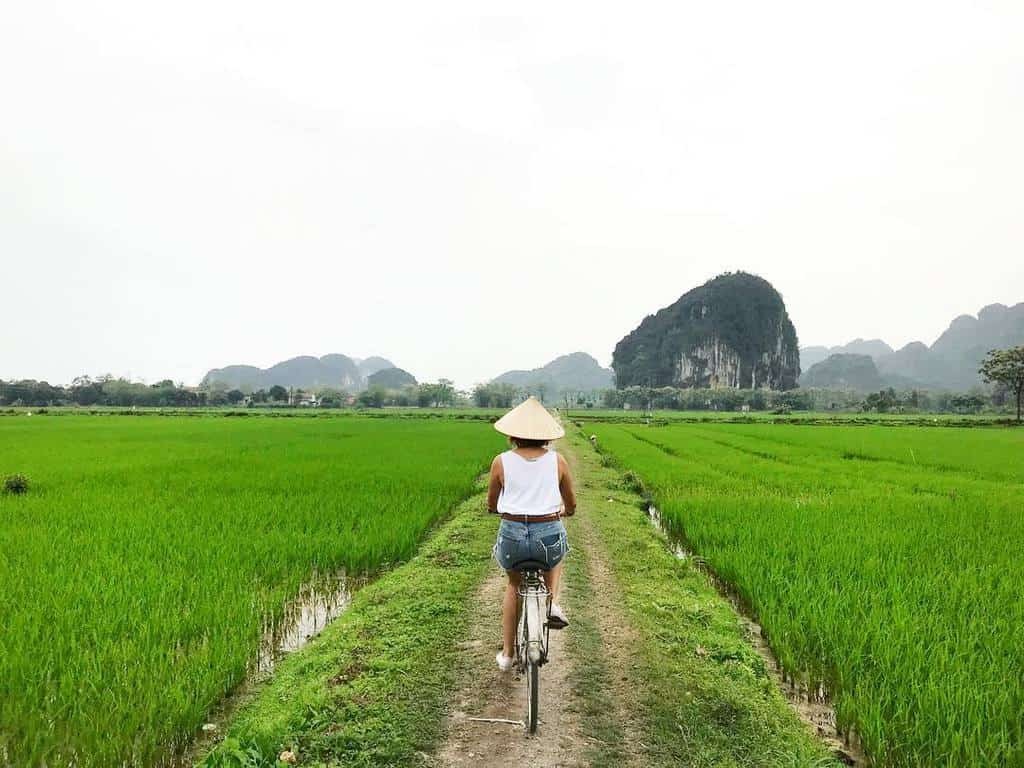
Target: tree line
[[1003, 369], [439, 394], [108, 391], [102, 391], [687, 399]]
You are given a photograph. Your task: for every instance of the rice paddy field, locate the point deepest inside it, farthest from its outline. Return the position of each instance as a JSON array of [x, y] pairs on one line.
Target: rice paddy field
[[886, 565], [659, 417], [140, 572]]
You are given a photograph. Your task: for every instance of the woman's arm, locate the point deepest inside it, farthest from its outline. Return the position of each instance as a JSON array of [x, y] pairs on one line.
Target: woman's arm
[[565, 486], [495, 485]]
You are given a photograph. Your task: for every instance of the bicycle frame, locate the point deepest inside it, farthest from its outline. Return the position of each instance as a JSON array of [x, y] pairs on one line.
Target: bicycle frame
[[534, 605], [532, 638]]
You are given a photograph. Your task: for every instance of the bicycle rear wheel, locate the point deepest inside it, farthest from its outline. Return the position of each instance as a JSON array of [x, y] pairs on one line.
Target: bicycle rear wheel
[[532, 696]]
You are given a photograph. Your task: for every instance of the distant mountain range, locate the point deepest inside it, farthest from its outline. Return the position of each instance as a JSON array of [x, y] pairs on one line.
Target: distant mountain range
[[577, 372], [810, 356], [371, 365], [305, 372], [864, 364], [950, 363], [844, 370]]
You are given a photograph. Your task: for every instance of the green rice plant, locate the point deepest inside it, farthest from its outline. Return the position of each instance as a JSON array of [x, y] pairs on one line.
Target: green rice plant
[[138, 577], [883, 562]]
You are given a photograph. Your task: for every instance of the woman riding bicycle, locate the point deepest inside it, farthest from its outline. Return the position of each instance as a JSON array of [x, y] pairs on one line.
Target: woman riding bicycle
[[531, 488]]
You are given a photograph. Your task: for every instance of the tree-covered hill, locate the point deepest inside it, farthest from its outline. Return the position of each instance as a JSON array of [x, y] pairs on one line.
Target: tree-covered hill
[[577, 372], [874, 348], [391, 378], [843, 371]]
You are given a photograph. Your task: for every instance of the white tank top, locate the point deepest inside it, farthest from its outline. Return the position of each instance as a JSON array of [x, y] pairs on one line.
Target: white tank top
[[531, 485]]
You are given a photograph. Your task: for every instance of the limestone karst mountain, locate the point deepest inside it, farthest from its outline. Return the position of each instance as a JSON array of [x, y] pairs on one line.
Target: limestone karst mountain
[[733, 331]]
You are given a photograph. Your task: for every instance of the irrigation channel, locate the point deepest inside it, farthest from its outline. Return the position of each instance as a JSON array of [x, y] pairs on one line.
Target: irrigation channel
[[813, 707], [318, 602]]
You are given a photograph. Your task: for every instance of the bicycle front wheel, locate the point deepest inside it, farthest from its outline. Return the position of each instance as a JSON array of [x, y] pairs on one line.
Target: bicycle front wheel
[[532, 696]]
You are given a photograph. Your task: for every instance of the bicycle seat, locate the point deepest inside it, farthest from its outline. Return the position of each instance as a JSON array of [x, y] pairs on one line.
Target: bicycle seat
[[530, 565]]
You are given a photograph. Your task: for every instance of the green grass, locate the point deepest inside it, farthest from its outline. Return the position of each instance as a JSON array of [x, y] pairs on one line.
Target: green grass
[[706, 696], [371, 690], [884, 564], [138, 573]]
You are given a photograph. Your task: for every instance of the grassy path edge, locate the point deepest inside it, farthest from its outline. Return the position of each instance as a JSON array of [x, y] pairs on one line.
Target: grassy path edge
[[372, 688]]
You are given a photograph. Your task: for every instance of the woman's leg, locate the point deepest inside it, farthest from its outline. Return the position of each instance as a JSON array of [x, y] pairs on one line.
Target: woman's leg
[[509, 611], [553, 578]]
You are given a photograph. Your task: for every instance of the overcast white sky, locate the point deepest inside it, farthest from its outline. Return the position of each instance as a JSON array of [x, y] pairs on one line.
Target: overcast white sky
[[465, 188]]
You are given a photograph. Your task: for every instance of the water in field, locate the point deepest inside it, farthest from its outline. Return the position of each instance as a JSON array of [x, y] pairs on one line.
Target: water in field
[[316, 605], [674, 538]]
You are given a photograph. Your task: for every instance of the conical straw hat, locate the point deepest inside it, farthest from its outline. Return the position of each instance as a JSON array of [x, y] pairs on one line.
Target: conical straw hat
[[530, 421]]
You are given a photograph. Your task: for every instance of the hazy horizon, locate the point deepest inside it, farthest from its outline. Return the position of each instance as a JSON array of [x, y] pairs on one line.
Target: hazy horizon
[[466, 191], [604, 361]]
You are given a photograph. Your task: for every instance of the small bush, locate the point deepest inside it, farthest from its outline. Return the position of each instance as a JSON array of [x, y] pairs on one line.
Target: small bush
[[631, 481], [16, 484]]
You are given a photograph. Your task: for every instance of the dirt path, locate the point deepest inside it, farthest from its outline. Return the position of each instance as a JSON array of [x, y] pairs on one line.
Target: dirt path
[[567, 734], [489, 693]]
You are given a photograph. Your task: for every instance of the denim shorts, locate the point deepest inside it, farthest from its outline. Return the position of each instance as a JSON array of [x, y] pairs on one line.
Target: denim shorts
[[517, 542]]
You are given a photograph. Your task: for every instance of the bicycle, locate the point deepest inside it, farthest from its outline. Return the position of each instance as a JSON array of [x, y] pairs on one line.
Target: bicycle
[[531, 652]]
